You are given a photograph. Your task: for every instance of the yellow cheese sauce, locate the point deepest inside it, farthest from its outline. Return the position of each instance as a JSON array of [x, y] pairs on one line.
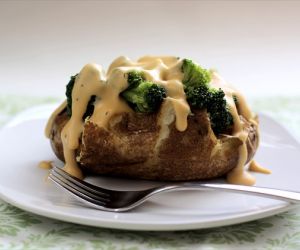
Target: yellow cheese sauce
[[165, 71], [238, 175], [45, 164], [58, 110], [255, 167]]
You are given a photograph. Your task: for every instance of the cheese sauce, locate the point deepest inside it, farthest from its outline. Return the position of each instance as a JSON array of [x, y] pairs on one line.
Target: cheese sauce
[[255, 167], [59, 109], [45, 164], [165, 71], [238, 175]]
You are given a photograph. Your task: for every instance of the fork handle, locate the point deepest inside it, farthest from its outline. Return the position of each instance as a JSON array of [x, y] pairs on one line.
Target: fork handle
[[284, 195]]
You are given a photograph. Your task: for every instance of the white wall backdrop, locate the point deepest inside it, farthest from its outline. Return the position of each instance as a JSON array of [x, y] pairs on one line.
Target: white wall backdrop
[[254, 44]]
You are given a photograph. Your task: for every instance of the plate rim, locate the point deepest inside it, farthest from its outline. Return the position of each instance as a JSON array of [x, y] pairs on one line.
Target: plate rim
[[140, 226]]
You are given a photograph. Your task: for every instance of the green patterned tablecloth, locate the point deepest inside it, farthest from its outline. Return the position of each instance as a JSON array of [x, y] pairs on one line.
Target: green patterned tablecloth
[[22, 230]]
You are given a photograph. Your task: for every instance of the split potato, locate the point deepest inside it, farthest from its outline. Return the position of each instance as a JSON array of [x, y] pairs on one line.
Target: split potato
[[148, 146]]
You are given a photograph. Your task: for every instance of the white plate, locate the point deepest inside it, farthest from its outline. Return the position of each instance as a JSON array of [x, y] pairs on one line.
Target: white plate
[[24, 185]]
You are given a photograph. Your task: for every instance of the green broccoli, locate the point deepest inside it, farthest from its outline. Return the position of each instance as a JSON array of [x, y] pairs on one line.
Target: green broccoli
[[202, 96], [235, 99], [90, 107], [134, 78], [194, 75], [195, 80], [69, 88], [198, 97], [220, 117], [143, 96]]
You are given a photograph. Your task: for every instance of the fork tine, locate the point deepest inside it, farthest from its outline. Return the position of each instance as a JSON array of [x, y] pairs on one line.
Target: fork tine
[[85, 185], [78, 188], [75, 192]]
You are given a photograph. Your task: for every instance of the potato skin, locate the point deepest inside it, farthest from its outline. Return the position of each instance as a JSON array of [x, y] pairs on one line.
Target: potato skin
[[128, 148]]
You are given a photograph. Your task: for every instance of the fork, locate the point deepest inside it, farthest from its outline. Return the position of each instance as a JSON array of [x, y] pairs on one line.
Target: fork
[[120, 201]]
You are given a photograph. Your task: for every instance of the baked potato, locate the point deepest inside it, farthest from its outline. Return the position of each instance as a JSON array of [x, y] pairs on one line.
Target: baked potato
[[150, 145], [128, 148]]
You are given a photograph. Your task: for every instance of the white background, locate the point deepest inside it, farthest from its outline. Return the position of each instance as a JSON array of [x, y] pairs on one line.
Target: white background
[[255, 45]]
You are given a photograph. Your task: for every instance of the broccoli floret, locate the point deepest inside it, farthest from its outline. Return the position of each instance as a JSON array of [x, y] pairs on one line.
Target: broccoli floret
[[134, 78], [143, 96], [195, 81], [202, 96], [198, 97], [194, 75], [235, 99], [220, 117], [69, 88], [90, 107]]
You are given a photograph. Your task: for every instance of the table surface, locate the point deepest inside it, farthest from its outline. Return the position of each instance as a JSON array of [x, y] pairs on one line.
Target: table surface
[[23, 230]]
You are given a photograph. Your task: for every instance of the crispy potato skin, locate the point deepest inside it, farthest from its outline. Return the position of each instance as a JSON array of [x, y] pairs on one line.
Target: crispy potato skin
[[130, 148]]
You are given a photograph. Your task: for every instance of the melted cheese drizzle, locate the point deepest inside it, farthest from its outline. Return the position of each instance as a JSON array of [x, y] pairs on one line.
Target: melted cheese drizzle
[[58, 110], [165, 71], [255, 167], [45, 164], [238, 175]]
